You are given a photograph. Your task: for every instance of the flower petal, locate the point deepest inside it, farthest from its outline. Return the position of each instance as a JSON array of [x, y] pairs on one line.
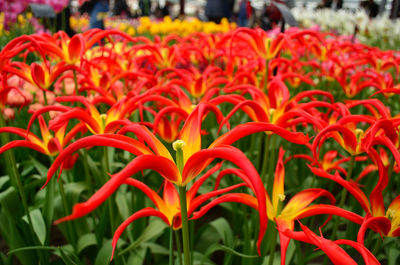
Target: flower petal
[[246, 129], [303, 199], [158, 163], [117, 141], [198, 161], [279, 181], [139, 214]]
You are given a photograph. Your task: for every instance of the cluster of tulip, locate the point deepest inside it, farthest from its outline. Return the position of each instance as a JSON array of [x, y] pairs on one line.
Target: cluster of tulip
[[324, 106], [148, 26]]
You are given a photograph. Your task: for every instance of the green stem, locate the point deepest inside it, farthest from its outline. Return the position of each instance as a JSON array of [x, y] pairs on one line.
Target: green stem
[[264, 165], [247, 240], [185, 225], [178, 146], [63, 20], [178, 246], [272, 153], [348, 177], [76, 83], [266, 75], [377, 247], [45, 98], [252, 145], [272, 248], [89, 184], [70, 230], [111, 199], [171, 246]]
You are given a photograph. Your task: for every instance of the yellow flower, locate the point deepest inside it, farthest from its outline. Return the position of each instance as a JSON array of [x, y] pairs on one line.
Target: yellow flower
[[20, 19], [131, 31]]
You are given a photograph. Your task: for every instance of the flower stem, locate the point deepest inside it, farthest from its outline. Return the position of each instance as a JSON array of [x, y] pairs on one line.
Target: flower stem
[[264, 165], [178, 145], [266, 75], [76, 83], [272, 153], [185, 225], [111, 198], [272, 248], [70, 230], [348, 177], [178, 247], [171, 246]]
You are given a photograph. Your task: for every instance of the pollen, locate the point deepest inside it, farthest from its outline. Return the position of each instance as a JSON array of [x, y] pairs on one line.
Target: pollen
[[359, 133], [178, 144], [271, 112], [103, 117], [391, 213], [49, 137], [281, 197]]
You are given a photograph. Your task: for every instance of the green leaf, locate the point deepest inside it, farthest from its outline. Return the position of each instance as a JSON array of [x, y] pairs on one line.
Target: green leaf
[[224, 230], [67, 260], [27, 168], [155, 248], [3, 259], [393, 256], [31, 248], [3, 180], [217, 246], [104, 255], [11, 203], [10, 231], [86, 241], [122, 205], [93, 167], [290, 252], [40, 167], [153, 230], [138, 257], [38, 223], [200, 258], [74, 190]]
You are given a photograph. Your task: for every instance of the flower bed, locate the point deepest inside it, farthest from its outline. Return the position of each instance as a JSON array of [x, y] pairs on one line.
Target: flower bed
[[382, 31], [221, 148]]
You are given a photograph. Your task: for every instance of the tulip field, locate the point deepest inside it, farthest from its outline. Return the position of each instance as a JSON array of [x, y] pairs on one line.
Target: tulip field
[[237, 147]]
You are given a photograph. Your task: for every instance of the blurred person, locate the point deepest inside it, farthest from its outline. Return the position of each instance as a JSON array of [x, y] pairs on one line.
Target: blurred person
[[324, 4], [98, 14], [245, 12], [166, 10], [145, 6], [199, 14], [158, 13], [121, 8], [332, 4], [97, 10], [63, 20], [337, 4], [217, 9], [270, 16], [370, 7]]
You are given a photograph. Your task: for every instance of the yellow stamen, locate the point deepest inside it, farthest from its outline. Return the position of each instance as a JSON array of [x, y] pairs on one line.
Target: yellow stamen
[[178, 145], [281, 197], [359, 133], [391, 213]]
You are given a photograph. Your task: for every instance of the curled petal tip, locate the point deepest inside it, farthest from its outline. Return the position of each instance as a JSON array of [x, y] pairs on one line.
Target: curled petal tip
[[61, 220]]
